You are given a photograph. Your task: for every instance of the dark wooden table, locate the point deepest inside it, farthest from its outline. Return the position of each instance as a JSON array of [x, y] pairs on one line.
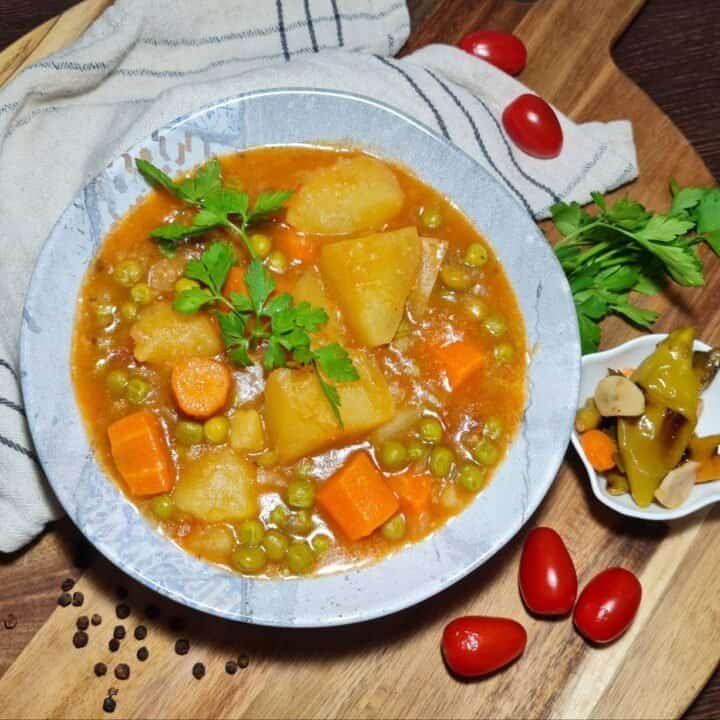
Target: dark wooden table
[[672, 50]]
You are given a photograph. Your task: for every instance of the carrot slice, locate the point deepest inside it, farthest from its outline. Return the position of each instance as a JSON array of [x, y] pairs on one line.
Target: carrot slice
[[460, 360], [414, 491], [296, 246], [141, 455], [599, 449], [357, 498], [709, 469], [201, 386]]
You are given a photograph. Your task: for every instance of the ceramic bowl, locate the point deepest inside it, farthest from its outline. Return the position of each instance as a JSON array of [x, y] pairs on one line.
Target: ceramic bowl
[[406, 577], [628, 355]]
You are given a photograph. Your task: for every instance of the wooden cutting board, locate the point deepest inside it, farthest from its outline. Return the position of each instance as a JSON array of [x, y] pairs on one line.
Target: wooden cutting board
[[392, 667]]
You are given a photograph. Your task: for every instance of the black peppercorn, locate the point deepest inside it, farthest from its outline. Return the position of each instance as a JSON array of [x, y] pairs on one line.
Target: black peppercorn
[[109, 704], [142, 654], [140, 632], [80, 639], [67, 585], [122, 611], [82, 623], [122, 671], [65, 599], [198, 671], [231, 667], [119, 632], [78, 599], [182, 646], [100, 669]]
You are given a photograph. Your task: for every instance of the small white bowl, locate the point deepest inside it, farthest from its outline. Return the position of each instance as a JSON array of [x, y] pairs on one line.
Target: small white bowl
[[630, 355]]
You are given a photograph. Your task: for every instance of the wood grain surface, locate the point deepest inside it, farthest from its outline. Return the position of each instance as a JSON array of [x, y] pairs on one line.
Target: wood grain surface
[[391, 667]]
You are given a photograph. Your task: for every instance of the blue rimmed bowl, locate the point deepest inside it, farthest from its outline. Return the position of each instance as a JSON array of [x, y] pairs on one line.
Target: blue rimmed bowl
[[406, 577]]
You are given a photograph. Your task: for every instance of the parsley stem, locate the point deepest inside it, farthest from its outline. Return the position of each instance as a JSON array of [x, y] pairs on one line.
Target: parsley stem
[[240, 230]]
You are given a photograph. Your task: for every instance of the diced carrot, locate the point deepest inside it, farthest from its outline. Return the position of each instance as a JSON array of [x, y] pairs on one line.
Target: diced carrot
[[599, 449], [201, 386], [296, 246], [357, 498], [283, 282], [460, 360], [141, 455], [234, 283], [414, 491], [709, 469]]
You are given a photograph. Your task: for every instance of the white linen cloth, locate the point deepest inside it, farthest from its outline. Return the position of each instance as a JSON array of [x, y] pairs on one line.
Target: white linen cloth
[[143, 63]]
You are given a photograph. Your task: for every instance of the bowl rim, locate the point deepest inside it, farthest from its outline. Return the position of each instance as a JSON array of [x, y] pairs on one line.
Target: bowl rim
[[535, 493], [657, 513]]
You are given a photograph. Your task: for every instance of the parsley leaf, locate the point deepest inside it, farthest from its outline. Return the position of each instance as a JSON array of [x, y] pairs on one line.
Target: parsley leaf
[[268, 203], [213, 267], [259, 283], [190, 301], [332, 395], [335, 362]]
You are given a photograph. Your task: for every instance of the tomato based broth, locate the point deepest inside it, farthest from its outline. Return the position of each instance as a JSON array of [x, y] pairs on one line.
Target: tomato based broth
[[445, 394]]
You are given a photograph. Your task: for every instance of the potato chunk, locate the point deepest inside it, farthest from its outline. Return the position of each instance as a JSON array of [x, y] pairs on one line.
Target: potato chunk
[[299, 419], [163, 336], [433, 253], [246, 431], [372, 277], [217, 487], [213, 542], [309, 288], [353, 195]]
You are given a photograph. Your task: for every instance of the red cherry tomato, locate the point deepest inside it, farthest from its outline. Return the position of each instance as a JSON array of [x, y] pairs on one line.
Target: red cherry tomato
[[501, 49], [548, 581], [476, 645], [533, 126], [608, 605]]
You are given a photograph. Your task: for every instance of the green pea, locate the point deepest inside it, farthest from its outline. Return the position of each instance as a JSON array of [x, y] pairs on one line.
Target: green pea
[[162, 507], [105, 314], [216, 429], [393, 455], [504, 352], [321, 544], [184, 284], [431, 217], [441, 461], [137, 391], [495, 325], [251, 532], [485, 452], [394, 529], [431, 431], [127, 272], [141, 293], [301, 494], [471, 478], [415, 450], [300, 558], [303, 470], [455, 277], [476, 255], [276, 545], [300, 523], [277, 262], [117, 382], [476, 307], [250, 560], [189, 433], [261, 244], [279, 515], [493, 428], [128, 311]]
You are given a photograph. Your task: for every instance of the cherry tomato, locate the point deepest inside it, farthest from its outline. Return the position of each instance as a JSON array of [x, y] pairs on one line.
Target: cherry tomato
[[608, 605], [548, 581], [501, 49], [533, 126], [476, 645]]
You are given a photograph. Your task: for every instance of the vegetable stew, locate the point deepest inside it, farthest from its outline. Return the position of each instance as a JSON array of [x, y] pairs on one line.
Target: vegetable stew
[[298, 359]]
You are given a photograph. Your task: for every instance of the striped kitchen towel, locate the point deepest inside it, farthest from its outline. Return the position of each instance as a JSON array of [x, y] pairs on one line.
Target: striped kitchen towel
[[144, 63]]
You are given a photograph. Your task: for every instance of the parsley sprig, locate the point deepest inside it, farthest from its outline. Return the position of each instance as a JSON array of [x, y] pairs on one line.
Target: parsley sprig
[[258, 321], [218, 206], [625, 248]]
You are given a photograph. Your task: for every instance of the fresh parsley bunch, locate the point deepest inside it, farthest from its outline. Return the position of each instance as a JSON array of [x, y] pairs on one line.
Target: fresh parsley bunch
[[273, 325], [625, 248]]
